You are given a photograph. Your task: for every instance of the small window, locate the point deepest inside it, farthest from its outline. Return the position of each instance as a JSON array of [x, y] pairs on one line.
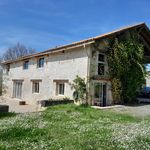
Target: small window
[[7, 68], [40, 63], [101, 57], [60, 88], [35, 87], [26, 65]]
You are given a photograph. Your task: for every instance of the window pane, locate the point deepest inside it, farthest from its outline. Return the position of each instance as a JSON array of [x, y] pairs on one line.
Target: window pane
[[101, 69], [98, 90], [7, 68], [61, 89], [101, 57], [35, 84], [41, 62], [17, 89], [25, 65], [35, 87]]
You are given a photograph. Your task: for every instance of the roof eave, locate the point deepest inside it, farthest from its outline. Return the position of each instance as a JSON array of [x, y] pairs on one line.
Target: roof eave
[[77, 44]]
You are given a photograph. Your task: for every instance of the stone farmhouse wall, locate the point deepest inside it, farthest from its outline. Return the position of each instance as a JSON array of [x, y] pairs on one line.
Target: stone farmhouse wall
[[58, 66]]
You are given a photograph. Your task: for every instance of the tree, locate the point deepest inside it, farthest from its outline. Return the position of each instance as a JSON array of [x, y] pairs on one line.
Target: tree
[[126, 68], [18, 50]]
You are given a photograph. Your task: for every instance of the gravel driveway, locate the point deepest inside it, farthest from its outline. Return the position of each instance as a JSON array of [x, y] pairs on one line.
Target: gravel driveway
[[140, 110]]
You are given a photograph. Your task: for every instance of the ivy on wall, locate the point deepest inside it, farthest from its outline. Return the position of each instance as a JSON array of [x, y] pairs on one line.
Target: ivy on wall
[[126, 68]]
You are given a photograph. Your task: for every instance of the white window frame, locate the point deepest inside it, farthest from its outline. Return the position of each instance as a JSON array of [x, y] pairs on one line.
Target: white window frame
[[36, 86], [59, 91], [26, 61], [38, 62], [17, 88]]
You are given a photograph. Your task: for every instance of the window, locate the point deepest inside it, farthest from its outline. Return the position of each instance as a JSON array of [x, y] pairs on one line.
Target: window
[[35, 87], [40, 63], [97, 90], [26, 65], [60, 88], [7, 68], [101, 64], [17, 89], [101, 57]]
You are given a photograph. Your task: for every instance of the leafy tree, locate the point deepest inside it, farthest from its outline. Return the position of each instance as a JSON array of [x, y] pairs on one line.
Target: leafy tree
[[125, 59], [18, 50]]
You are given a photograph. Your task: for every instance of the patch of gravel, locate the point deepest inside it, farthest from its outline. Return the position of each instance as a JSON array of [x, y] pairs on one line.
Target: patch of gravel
[[141, 110]]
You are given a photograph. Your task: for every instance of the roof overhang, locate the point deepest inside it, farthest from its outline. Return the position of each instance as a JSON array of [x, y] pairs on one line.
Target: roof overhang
[[145, 33]]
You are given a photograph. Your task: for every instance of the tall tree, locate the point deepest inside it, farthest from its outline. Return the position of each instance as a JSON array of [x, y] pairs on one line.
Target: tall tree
[[16, 51]]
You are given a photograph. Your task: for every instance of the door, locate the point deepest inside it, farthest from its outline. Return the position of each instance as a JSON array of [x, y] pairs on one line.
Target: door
[[100, 91], [17, 89]]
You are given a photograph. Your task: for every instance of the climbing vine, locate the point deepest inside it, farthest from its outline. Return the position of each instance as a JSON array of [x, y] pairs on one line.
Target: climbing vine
[[80, 92], [126, 68]]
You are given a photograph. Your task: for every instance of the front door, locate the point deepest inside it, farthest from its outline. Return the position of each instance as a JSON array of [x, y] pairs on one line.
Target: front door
[[17, 89], [100, 91]]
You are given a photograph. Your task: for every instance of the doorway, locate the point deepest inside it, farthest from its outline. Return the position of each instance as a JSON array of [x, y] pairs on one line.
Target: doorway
[[100, 93]]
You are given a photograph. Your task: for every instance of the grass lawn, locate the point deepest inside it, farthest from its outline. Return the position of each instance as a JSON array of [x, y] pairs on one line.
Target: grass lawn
[[70, 127]]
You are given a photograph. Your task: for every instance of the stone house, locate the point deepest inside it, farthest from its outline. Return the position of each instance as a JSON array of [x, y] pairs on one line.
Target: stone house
[[49, 74]]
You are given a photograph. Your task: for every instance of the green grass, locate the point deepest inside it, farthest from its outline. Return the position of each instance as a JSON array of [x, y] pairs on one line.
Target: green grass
[[71, 127], [3, 115]]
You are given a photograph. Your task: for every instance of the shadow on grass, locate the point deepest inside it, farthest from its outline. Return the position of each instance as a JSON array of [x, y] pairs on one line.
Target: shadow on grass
[[7, 114]]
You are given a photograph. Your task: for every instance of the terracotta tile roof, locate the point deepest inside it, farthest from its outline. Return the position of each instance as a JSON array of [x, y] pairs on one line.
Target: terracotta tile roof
[[74, 44]]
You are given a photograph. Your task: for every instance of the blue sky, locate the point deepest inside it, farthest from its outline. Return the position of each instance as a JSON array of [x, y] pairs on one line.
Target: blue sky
[[43, 24]]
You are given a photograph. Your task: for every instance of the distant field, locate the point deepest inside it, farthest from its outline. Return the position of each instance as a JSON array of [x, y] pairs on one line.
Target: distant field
[[70, 127]]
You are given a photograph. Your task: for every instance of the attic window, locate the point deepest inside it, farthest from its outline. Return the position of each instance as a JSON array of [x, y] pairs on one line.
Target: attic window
[[25, 65], [40, 63], [7, 68]]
